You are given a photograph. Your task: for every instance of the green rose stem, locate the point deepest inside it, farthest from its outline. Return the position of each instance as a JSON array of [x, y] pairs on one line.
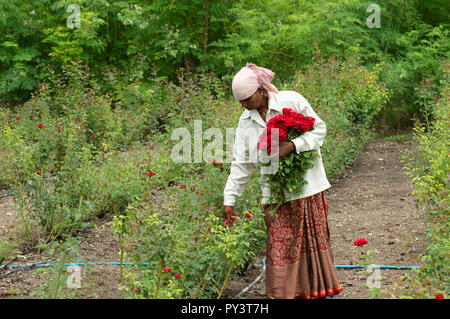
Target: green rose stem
[[158, 282], [121, 252], [226, 279], [22, 215], [201, 283]]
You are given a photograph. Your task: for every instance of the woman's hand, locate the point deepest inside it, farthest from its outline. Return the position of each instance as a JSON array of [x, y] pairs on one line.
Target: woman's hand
[[285, 148], [226, 214]]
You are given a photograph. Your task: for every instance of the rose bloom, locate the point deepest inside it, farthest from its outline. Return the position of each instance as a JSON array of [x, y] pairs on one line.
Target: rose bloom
[[439, 296], [249, 215], [92, 136], [360, 242], [39, 172], [167, 269], [183, 186], [177, 275], [150, 174], [18, 118], [331, 132], [41, 126]]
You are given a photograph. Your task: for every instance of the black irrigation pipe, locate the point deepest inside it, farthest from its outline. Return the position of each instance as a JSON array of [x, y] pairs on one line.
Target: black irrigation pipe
[[39, 264]]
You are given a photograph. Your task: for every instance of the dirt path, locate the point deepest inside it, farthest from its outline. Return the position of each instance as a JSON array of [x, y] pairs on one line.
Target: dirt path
[[372, 200]]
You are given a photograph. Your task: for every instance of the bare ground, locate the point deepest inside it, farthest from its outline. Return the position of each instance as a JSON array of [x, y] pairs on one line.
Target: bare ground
[[371, 200]]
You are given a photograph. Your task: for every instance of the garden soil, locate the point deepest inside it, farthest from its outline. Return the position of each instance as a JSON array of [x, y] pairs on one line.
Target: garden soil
[[371, 199]]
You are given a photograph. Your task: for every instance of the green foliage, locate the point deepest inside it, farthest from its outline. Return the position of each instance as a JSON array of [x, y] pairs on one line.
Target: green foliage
[[57, 276], [347, 97], [219, 36], [428, 166], [287, 175]]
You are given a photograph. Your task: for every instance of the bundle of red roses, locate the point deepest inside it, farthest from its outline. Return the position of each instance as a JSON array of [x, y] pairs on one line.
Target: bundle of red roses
[[293, 167]]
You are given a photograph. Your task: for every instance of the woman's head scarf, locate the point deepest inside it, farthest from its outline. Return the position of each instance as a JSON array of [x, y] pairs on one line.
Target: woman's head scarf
[[249, 79]]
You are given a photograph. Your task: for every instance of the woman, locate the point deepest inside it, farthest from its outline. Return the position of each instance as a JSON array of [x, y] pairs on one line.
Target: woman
[[299, 254]]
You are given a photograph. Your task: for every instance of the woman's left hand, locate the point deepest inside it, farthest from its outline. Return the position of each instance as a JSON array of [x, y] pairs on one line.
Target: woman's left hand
[[285, 148]]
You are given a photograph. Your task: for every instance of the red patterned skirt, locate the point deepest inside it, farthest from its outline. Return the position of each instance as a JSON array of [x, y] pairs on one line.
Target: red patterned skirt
[[299, 261]]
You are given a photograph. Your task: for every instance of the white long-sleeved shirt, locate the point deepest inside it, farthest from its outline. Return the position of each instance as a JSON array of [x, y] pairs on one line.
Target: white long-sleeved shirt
[[245, 149]]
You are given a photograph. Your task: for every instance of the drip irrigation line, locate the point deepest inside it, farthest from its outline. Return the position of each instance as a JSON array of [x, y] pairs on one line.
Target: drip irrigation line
[[43, 262], [254, 281], [116, 263], [375, 266], [5, 195]]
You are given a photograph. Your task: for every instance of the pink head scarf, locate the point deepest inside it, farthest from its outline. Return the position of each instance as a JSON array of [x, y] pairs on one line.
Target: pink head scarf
[[249, 79]]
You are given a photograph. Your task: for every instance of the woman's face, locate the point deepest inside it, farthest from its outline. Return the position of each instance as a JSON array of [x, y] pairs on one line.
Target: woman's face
[[255, 101]]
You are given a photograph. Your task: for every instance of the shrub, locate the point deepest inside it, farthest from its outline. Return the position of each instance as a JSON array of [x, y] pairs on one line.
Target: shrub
[[427, 165], [347, 97]]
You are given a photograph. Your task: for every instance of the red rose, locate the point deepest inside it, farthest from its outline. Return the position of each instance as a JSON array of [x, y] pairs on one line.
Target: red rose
[[92, 136], [435, 100], [360, 242], [183, 186], [143, 132], [193, 188], [177, 275], [439, 296], [9, 122], [39, 173], [150, 174], [18, 118], [331, 132], [219, 163], [167, 269], [249, 215], [138, 290], [187, 119], [438, 96], [41, 126]]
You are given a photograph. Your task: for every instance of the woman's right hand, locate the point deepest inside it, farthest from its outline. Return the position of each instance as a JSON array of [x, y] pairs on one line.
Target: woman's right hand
[[227, 212]]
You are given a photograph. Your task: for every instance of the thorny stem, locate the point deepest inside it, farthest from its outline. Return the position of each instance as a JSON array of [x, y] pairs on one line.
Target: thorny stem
[[226, 280], [158, 283], [201, 283]]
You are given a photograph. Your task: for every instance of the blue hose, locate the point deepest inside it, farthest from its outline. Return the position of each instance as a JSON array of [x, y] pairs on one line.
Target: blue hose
[[146, 264]]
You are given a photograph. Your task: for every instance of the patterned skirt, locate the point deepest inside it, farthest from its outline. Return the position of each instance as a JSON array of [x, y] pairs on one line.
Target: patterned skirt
[[299, 262]]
